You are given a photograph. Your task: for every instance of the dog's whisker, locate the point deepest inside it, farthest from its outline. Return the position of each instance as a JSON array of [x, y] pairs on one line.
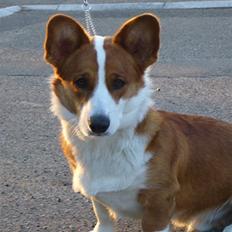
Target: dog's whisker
[[74, 129]]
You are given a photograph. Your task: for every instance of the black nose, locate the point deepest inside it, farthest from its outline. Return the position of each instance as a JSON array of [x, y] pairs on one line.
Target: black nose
[[99, 124]]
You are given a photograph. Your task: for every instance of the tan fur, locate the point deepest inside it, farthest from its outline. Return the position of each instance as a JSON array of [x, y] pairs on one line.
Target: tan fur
[[82, 62], [121, 64], [63, 36], [191, 169], [138, 38], [70, 51], [67, 151]]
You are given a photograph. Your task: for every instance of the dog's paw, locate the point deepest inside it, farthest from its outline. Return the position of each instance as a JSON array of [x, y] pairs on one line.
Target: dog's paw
[[102, 228]]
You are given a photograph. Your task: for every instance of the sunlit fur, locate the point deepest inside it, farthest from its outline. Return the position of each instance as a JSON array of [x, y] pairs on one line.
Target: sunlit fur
[[123, 114], [158, 166]]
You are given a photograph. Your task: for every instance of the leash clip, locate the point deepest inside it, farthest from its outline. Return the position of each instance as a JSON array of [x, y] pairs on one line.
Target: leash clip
[[86, 6]]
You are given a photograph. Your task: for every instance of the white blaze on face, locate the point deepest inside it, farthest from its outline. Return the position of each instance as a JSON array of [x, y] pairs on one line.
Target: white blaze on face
[[123, 114], [101, 99], [101, 103]]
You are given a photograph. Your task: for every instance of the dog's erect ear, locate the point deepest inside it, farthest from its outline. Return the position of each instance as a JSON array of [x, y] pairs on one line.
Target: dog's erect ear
[[140, 37], [63, 36]]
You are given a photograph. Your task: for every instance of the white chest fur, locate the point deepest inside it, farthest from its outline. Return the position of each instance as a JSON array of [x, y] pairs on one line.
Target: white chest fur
[[111, 168], [123, 203]]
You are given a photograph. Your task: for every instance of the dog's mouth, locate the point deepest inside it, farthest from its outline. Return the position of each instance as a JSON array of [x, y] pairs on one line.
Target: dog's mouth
[[93, 134]]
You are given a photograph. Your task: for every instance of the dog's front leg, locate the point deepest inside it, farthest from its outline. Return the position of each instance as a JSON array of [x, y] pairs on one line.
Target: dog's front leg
[[104, 221], [153, 225], [158, 209], [167, 229]]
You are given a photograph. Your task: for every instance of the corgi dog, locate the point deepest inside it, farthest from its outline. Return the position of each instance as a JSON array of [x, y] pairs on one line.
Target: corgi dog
[[128, 158]]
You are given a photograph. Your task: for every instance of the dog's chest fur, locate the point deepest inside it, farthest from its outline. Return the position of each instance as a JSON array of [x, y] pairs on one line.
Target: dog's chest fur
[[111, 169]]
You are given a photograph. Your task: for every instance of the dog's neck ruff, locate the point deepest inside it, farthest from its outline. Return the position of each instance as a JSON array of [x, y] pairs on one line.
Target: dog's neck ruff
[[114, 162], [110, 164]]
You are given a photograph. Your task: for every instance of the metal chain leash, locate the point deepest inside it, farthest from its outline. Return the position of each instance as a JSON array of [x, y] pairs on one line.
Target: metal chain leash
[[88, 18]]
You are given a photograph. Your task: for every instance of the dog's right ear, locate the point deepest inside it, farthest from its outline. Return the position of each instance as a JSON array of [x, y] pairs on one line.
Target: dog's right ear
[[140, 36], [63, 36]]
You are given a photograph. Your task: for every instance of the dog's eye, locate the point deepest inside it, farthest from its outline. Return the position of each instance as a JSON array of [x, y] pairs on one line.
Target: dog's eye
[[81, 82], [118, 83]]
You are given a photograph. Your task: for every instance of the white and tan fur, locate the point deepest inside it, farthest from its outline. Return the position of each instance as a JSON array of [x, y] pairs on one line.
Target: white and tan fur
[[137, 167]]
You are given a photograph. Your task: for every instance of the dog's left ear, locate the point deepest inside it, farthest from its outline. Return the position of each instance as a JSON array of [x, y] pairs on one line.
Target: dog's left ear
[[140, 37]]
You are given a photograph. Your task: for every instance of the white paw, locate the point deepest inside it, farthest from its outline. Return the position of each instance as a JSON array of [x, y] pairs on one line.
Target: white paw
[[167, 229], [228, 229], [102, 228]]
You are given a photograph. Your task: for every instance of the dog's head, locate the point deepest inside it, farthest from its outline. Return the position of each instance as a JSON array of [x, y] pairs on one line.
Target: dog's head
[[99, 84]]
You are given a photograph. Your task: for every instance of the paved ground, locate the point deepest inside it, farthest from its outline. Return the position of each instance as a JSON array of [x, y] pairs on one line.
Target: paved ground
[[4, 3], [13, 2], [194, 74]]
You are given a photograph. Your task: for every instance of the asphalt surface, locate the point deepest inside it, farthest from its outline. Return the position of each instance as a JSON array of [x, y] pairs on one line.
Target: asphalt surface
[[194, 74], [4, 3]]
